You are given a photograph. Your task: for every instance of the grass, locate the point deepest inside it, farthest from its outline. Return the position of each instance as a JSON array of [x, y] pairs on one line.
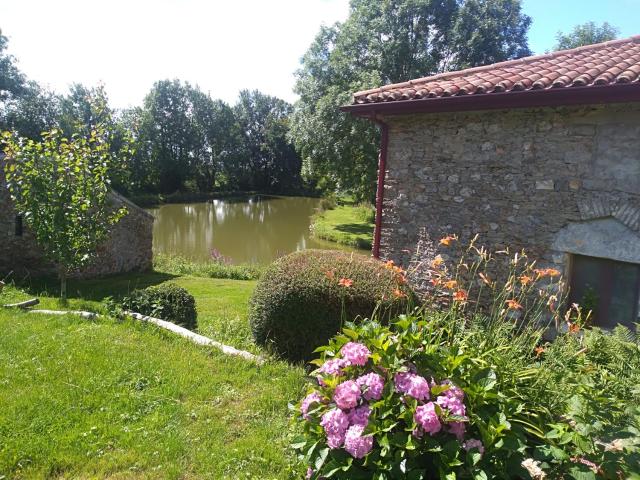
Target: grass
[[177, 265], [346, 224], [122, 400], [118, 399]]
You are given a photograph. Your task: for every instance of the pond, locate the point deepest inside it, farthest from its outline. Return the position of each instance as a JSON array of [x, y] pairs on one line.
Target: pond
[[257, 229]]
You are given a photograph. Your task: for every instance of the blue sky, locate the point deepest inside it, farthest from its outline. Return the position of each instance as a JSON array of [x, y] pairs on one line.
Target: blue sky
[[549, 16], [221, 45]]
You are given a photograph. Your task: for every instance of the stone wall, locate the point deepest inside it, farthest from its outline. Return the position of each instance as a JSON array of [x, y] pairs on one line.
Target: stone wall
[[515, 177], [127, 249]]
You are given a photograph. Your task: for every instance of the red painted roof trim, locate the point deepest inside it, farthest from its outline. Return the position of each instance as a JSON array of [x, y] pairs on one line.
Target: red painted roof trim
[[553, 97]]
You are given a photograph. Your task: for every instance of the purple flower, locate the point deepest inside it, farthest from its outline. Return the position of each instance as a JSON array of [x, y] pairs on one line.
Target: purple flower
[[309, 473], [355, 353], [314, 397], [373, 383], [333, 366], [359, 415], [335, 423], [412, 384], [457, 429], [355, 443], [473, 443], [347, 394], [427, 418]]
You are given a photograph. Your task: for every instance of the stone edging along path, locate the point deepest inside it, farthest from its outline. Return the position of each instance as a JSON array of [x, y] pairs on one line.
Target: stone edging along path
[[172, 327]]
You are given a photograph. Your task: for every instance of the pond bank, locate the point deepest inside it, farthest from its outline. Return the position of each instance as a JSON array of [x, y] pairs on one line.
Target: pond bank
[[350, 225]]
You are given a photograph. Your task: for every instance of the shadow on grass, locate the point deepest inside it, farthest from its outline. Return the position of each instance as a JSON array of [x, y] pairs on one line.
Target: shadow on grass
[[355, 228], [96, 289]]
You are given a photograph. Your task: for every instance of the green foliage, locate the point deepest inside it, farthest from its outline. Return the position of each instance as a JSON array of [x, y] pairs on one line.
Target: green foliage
[[269, 163], [61, 188], [178, 265], [586, 34], [550, 413], [300, 303], [381, 43], [567, 409], [167, 301]]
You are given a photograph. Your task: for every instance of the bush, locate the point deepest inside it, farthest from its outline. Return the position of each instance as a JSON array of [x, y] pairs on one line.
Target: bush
[[303, 298], [166, 301], [455, 391], [423, 396]]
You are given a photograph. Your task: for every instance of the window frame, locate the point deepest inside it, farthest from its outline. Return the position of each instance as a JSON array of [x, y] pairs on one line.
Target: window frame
[[607, 291]]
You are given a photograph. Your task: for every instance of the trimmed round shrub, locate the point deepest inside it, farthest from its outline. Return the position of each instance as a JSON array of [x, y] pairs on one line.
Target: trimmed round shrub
[[303, 299], [166, 301]]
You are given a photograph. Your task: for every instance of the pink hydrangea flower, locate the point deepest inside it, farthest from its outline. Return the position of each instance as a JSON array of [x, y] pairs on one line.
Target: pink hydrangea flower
[[452, 403], [335, 423], [457, 429], [355, 443], [334, 366], [347, 394], [314, 397], [473, 443], [373, 383], [355, 353], [412, 384], [359, 415], [427, 418]]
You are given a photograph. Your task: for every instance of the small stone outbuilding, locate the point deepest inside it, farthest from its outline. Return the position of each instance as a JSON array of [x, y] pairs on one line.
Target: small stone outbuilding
[[540, 153], [127, 249]]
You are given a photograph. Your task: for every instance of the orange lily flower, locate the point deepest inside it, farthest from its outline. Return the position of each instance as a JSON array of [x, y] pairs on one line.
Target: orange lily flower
[[460, 296], [399, 293], [345, 282], [450, 284], [438, 261], [525, 280], [539, 351], [513, 304], [446, 241]]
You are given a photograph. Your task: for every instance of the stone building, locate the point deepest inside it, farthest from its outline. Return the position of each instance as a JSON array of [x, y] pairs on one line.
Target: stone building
[[541, 153], [128, 247]]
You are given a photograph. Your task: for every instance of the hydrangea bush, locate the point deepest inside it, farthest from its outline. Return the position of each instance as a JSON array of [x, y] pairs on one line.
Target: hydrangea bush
[[464, 390], [385, 403]]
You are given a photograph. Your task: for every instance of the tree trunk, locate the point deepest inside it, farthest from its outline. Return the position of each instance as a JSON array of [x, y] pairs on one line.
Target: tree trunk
[[63, 285]]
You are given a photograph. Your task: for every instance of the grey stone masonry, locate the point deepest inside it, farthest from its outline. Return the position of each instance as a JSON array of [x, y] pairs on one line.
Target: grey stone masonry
[[515, 177], [128, 247]]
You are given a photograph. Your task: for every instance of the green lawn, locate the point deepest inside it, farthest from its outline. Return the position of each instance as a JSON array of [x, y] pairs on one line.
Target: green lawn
[[345, 224], [96, 399]]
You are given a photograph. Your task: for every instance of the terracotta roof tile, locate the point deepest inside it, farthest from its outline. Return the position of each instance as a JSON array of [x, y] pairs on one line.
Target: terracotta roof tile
[[608, 63]]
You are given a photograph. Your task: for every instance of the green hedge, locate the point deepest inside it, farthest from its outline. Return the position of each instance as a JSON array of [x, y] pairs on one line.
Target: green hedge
[[299, 303], [166, 301]]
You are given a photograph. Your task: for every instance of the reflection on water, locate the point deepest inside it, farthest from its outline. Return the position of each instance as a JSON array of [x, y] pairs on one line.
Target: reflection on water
[[257, 229]]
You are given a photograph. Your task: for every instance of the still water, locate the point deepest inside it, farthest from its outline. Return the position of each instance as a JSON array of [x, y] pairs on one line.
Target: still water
[[257, 229]]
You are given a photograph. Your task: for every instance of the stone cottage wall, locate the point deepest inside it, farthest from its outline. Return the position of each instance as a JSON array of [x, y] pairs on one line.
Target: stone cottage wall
[[128, 248], [515, 177]]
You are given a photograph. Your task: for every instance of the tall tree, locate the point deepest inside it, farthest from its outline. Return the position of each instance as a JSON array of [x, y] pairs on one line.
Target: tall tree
[[270, 162], [12, 80], [586, 34], [381, 42]]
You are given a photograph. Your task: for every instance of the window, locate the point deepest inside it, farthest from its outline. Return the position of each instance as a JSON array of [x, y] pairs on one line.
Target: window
[[610, 289], [19, 226]]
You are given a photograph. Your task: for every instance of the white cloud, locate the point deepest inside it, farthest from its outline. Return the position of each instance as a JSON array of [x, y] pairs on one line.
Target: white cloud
[[223, 46]]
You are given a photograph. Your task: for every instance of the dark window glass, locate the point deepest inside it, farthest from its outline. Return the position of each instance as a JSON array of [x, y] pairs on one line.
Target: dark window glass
[[18, 226], [609, 288]]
